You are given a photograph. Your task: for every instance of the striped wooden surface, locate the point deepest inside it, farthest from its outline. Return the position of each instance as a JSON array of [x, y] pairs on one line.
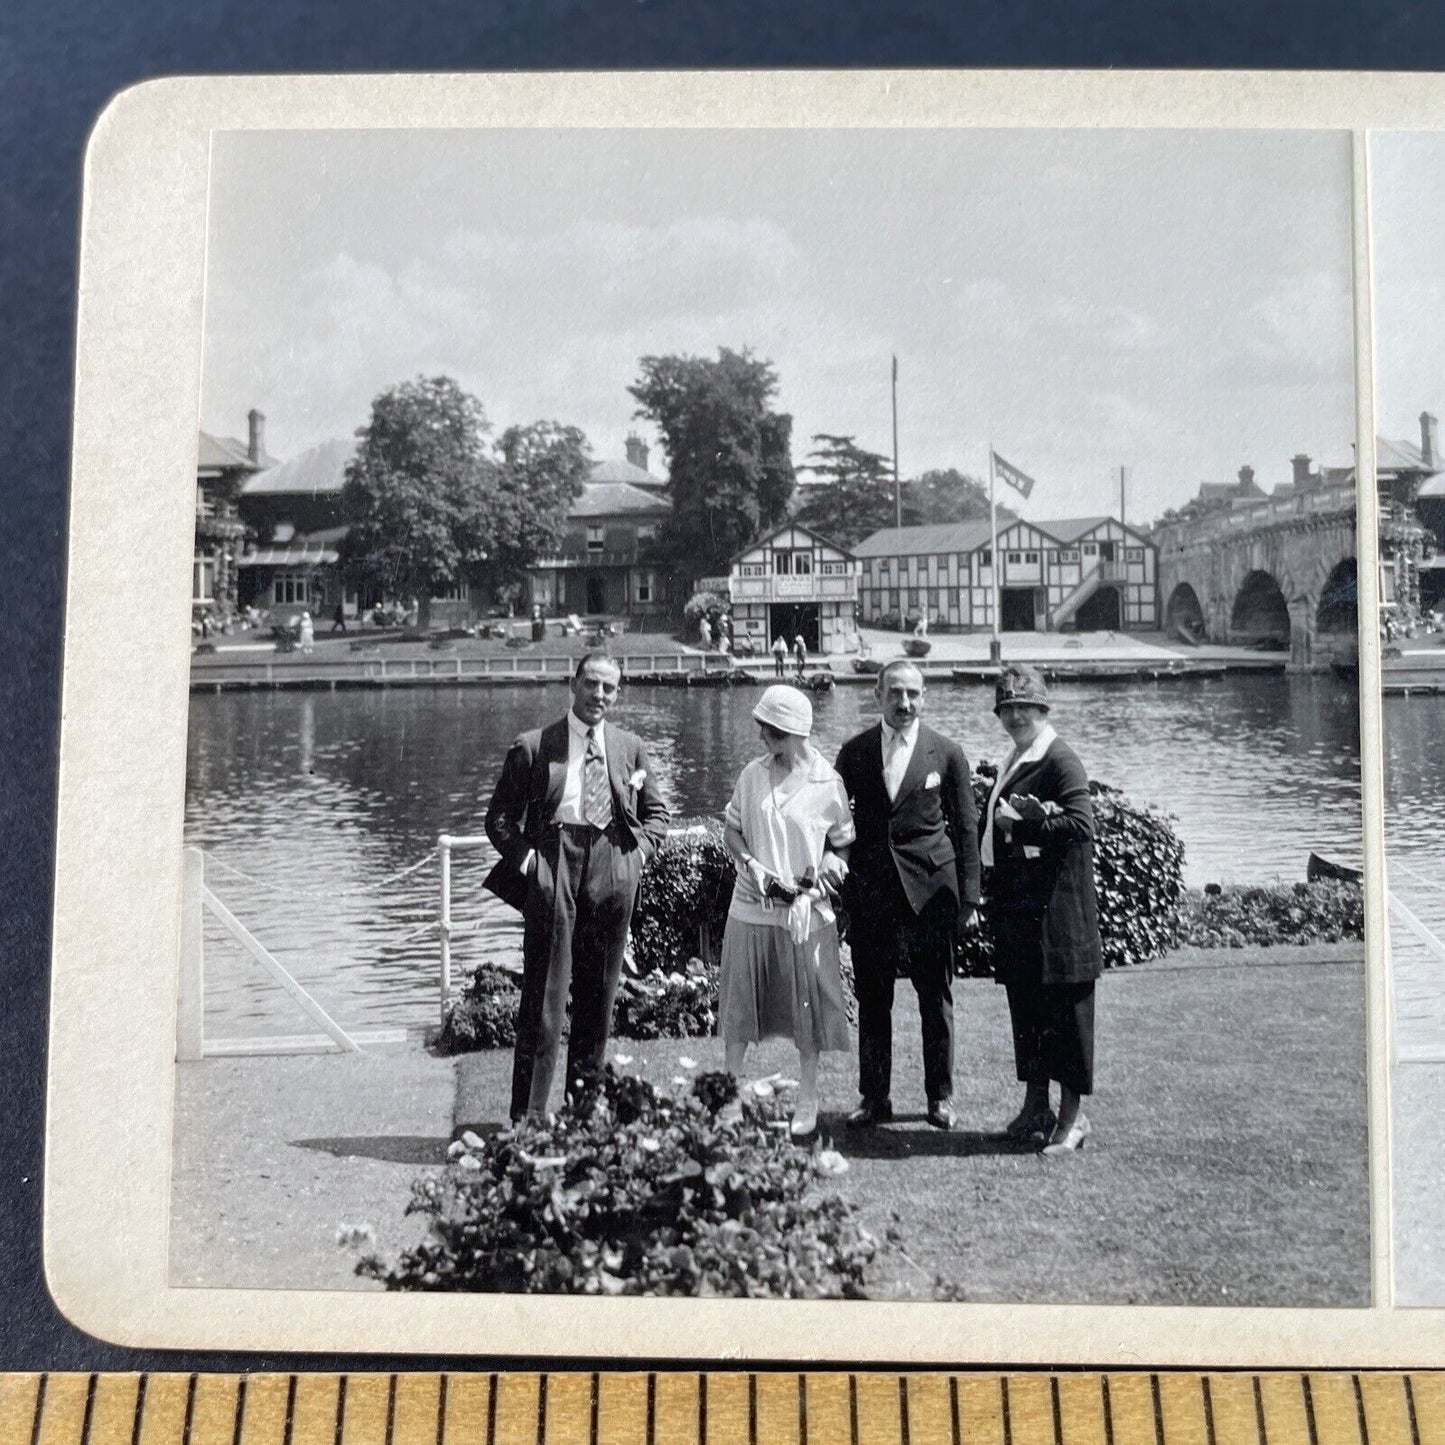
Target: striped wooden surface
[[1029, 1408]]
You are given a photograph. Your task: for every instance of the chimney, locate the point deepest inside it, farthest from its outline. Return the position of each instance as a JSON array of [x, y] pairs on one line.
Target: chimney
[[636, 451], [256, 437], [1246, 482], [1301, 464], [1429, 439]]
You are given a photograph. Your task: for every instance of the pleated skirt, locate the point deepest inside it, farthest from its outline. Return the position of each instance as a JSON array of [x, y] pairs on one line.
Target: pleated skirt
[[773, 988]]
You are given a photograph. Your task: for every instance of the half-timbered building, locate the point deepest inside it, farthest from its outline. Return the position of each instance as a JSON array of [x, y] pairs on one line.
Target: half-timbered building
[[793, 583]]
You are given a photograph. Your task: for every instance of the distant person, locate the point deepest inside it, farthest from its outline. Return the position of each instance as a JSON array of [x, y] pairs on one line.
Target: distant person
[[704, 633], [1038, 838], [800, 653], [912, 884], [788, 829], [575, 815], [306, 632], [338, 620], [780, 656]]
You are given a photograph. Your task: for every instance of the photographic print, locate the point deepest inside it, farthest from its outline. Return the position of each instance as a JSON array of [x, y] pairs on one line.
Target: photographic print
[[772, 715], [1410, 467]]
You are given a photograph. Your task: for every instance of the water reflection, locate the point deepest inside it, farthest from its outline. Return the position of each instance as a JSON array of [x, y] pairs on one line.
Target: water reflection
[[319, 799]]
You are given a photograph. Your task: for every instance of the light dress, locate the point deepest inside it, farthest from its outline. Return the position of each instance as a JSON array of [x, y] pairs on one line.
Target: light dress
[[779, 974]]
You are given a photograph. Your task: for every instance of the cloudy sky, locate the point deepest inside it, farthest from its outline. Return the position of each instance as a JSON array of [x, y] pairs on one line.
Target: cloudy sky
[[1407, 201], [1175, 302]]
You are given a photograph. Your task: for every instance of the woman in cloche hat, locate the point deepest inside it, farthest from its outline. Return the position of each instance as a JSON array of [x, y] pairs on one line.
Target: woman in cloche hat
[[1038, 839], [788, 829]]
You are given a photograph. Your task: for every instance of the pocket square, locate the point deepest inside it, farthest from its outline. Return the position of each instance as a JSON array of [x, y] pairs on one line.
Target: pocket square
[[638, 778], [933, 781]]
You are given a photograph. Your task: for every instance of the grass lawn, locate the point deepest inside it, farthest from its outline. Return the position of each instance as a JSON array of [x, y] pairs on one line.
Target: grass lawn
[[1228, 1163]]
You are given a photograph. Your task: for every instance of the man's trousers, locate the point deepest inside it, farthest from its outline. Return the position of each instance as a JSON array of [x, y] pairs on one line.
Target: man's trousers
[[578, 909], [888, 939]]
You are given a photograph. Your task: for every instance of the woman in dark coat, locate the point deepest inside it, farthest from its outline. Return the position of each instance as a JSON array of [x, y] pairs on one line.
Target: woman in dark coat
[[1038, 839]]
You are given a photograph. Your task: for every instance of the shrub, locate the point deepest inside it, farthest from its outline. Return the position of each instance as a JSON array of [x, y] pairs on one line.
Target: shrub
[[1328, 911], [686, 888], [1138, 875], [631, 1192], [485, 1016], [673, 1005]]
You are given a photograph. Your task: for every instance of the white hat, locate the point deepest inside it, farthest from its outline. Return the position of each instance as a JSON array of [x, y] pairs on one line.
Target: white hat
[[786, 709]]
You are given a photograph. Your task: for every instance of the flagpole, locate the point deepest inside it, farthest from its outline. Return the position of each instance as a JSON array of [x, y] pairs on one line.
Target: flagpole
[[898, 500], [996, 647]]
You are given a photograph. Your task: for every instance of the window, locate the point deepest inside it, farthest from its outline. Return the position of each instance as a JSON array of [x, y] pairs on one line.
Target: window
[[1091, 549], [451, 592], [203, 576], [802, 564], [985, 558], [1032, 558], [1133, 554], [596, 536], [203, 503], [643, 584], [1068, 554], [1015, 558], [290, 587], [646, 531], [783, 564]]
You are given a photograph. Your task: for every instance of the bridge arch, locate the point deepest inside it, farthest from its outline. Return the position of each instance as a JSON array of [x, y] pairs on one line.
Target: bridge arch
[[1260, 612], [1185, 612], [1337, 610]]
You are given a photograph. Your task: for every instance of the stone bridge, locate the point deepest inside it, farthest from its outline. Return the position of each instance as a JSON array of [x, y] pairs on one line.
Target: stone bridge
[[1281, 570]]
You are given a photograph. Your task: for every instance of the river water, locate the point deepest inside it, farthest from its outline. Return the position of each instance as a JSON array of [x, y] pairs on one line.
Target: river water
[[308, 805]]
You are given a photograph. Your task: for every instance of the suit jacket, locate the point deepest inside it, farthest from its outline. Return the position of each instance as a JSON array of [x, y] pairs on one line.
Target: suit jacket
[[927, 836], [524, 804], [1048, 901]]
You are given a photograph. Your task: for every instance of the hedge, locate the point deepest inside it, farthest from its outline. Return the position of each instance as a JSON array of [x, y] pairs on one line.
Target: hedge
[[1328, 911], [686, 888], [628, 1191]]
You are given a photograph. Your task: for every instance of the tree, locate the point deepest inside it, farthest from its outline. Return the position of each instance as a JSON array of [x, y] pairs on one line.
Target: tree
[[728, 453], [853, 497], [540, 473], [946, 495], [417, 492]]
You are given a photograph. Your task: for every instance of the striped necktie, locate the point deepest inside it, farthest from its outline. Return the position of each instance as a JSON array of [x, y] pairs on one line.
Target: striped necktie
[[596, 791]]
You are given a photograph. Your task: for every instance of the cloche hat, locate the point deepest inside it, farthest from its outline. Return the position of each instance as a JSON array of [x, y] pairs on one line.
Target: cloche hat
[[786, 709], [1019, 683]]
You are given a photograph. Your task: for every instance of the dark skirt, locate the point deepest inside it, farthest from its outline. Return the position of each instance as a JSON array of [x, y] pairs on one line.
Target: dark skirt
[[1053, 1023]]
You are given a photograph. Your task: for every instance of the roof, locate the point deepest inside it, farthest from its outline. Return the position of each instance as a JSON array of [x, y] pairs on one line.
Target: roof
[[616, 499], [1070, 529], [936, 537], [615, 469], [224, 453], [1433, 490], [318, 472], [1394, 456]]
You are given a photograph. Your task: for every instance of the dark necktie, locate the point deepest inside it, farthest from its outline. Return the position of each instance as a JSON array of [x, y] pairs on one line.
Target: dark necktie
[[596, 792]]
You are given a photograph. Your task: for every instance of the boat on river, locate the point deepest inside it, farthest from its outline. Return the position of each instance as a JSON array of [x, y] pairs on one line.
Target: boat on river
[[1319, 868], [1105, 671]]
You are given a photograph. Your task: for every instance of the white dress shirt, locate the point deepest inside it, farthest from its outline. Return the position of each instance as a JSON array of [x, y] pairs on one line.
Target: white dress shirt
[[569, 808], [898, 745]]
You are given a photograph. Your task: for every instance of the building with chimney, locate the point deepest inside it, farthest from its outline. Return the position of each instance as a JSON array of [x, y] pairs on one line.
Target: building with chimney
[[1410, 480], [608, 561], [223, 466]]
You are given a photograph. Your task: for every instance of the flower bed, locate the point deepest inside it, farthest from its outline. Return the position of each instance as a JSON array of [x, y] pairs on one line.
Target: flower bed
[[630, 1191]]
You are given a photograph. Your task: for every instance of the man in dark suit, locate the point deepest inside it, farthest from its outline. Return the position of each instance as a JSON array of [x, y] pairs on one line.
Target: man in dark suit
[[912, 883], [575, 815]]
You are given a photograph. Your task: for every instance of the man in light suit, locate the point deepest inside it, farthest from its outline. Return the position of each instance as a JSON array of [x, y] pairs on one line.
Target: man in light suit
[[912, 883], [575, 815]]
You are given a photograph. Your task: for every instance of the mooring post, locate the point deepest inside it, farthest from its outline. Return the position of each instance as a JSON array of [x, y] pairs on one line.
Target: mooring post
[[191, 986], [444, 922]]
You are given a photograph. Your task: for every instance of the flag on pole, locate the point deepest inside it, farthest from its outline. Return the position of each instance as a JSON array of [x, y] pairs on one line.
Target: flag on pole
[[895, 368], [1019, 481]]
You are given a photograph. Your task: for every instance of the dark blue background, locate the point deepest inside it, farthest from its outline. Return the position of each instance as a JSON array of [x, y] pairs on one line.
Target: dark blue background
[[59, 62]]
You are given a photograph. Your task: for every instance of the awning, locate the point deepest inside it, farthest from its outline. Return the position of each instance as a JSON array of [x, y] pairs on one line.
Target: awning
[[294, 554]]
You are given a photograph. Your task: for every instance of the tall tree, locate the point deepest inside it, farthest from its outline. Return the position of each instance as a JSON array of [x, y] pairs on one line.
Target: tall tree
[[946, 495], [853, 496], [541, 471], [728, 452], [419, 492]]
